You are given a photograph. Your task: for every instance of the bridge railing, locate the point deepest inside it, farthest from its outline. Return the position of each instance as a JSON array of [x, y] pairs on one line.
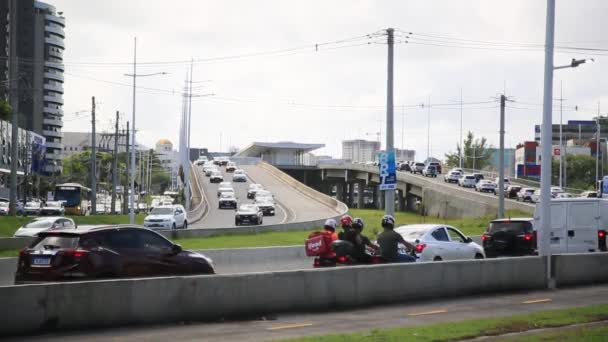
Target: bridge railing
[[198, 205]]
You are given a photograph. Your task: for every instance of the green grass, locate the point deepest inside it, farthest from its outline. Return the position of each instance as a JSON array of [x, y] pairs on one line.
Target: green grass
[[582, 334], [9, 253], [451, 331], [9, 224]]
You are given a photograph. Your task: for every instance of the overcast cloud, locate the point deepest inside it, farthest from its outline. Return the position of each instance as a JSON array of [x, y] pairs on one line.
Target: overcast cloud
[[305, 95]]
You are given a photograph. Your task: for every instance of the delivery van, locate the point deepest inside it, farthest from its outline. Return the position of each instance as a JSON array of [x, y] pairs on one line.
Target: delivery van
[[578, 225]]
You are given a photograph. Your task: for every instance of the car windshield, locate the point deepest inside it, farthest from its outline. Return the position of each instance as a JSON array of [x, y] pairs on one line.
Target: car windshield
[[162, 211], [412, 233], [226, 195], [39, 223], [55, 242], [247, 207], [469, 177], [516, 227]]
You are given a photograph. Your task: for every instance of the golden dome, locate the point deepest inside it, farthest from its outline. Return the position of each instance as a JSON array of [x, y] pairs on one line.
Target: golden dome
[[164, 142]]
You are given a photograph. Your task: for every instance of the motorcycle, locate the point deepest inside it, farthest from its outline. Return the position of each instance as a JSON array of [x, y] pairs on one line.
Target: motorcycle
[[343, 251]]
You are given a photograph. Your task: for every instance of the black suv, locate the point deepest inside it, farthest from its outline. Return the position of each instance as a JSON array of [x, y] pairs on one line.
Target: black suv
[[510, 237], [511, 191]]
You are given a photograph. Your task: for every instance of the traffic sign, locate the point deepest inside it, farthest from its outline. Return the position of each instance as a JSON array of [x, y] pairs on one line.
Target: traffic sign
[[556, 151], [388, 176]]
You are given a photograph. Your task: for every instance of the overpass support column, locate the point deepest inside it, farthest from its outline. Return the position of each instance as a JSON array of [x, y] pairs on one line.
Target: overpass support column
[[361, 194], [410, 202], [400, 200], [340, 191], [351, 194], [379, 198]]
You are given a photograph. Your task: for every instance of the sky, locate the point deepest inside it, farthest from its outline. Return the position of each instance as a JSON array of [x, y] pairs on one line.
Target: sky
[[315, 71]]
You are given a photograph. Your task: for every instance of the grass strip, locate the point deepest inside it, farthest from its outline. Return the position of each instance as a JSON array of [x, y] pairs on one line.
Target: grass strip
[[451, 331]]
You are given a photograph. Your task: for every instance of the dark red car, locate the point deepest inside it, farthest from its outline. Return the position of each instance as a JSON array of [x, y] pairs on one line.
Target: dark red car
[[106, 252]]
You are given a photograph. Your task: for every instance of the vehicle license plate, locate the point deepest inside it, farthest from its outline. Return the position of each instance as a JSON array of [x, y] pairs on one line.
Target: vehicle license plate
[[42, 261]]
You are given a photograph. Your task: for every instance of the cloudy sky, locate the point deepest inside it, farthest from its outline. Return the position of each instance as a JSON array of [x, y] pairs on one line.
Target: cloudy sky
[[315, 71]]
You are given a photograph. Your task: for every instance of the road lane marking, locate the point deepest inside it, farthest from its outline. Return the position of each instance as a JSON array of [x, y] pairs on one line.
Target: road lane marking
[[537, 301], [434, 312], [291, 326]]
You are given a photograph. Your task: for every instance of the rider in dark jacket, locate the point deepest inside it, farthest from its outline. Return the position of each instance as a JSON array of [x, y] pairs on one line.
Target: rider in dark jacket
[[361, 242]]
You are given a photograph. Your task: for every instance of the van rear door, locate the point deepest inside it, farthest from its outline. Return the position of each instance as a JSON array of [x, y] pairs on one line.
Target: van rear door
[[583, 224], [559, 220]]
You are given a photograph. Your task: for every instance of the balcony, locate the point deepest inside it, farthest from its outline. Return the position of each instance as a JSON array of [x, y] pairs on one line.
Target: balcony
[[55, 41], [54, 99], [56, 30], [54, 134], [56, 88], [54, 65], [55, 19], [53, 156], [57, 76], [53, 122], [52, 110], [54, 145]]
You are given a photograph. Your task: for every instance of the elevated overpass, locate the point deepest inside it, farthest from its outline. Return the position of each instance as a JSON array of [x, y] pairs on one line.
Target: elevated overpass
[[430, 196]]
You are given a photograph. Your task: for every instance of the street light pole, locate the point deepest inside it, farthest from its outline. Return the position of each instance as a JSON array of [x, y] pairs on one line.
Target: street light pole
[[546, 140], [133, 129], [460, 156], [389, 199]]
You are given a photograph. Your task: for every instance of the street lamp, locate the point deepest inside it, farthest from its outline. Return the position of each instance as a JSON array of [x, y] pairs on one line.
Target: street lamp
[[132, 171]]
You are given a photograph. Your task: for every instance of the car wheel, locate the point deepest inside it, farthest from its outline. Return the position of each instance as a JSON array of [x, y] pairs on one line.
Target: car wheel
[[185, 225], [173, 226], [237, 223], [437, 258], [479, 256]]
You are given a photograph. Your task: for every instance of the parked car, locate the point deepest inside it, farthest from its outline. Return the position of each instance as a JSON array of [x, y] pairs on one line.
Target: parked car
[[227, 200], [405, 167], [417, 168], [32, 208], [485, 186], [253, 188], [511, 191], [429, 171], [437, 242], [266, 205], [248, 213], [452, 176], [467, 181], [525, 194], [167, 217], [41, 224], [239, 176], [106, 252], [54, 208], [510, 237], [478, 177], [589, 194], [436, 165], [230, 167], [216, 177]]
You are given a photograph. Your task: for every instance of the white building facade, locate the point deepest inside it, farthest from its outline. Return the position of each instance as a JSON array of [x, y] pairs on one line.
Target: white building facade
[[359, 150]]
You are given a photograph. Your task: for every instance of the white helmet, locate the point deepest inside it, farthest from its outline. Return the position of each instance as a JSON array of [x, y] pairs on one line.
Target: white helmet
[[330, 224]]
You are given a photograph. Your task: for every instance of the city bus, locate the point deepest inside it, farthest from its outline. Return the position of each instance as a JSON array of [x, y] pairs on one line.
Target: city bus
[[76, 198]]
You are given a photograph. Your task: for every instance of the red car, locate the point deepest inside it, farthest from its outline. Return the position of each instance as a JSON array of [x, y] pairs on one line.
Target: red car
[[106, 252]]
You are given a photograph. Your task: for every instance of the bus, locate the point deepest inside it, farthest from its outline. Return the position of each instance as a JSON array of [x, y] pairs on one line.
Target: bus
[[76, 198]]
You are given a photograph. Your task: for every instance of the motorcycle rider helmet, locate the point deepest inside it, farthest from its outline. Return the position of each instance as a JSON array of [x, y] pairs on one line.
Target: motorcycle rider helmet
[[330, 224], [346, 221], [388, 221], [358, 224]]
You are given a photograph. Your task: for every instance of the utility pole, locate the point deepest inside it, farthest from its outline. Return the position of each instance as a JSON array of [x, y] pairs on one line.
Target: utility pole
[[132, 171], [597, 148], [115, 166], [125, 191], [544, 245], [14, 97], [389, 195], [501, 160], [428, 131], [561, 144], [403, 127], [460, 150], [93, 160]]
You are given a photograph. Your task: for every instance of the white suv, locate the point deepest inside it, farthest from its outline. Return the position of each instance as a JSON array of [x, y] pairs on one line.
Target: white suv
[[167, 217], [467, 181]]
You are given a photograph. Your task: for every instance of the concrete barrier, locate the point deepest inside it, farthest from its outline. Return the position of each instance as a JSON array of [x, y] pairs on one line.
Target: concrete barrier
[[8, 266], [199, 298], [580, 269], [14, 243]]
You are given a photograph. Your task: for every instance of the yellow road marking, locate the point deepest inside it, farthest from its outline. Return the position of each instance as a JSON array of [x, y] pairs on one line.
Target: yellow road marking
[[536, 301], [292, 326], [427, 313]]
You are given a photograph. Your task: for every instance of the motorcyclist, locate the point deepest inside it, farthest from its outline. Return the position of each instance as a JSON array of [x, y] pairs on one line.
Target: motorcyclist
[[329, 229], [361, 242], [389, 241], [346, 234]]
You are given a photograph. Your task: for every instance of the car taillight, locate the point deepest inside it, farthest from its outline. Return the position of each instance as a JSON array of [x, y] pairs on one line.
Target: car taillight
[[23, 252], [528, 237], [76, 253], [316, 263], [342, 259], [486, 237], [601, 240], [420, 247]]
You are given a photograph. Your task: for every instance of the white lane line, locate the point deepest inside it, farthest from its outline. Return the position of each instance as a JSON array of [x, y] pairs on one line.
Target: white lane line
[[537, 301], [424, 313], [291, 326]]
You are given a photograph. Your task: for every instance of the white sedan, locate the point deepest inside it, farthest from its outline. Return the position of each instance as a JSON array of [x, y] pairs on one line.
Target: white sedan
[[437, 242], [485, 186]]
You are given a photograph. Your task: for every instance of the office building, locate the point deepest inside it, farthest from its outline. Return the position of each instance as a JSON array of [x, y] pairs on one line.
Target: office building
[[39, 50], [360, 151], [77, 142], [580, 130]]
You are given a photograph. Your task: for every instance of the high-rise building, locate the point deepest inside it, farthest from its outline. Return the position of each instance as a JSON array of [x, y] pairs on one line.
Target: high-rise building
[[360, 151], [39, 52]]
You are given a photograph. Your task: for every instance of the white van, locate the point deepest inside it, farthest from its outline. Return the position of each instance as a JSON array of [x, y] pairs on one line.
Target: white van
[[578, 225]]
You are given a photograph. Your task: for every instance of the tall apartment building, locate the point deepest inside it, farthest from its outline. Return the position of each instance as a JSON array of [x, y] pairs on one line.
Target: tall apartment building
[[360, 150], [39, 52]]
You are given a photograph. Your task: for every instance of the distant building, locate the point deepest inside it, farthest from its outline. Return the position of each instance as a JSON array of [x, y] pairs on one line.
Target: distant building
[[528, 156], [405, 155], [580, 130], [360, 151], [196, 152], [39, 40], [76, 142], [169, 160]]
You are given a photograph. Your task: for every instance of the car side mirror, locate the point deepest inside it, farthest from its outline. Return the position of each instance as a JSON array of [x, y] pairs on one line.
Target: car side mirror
[[176, 249], [468, 240]]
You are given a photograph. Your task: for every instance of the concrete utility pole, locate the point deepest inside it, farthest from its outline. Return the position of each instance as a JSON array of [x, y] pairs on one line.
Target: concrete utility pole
[[93, 160], [546, 142], [115, 166], [14, 97], [561, 144], [501, 160], [460, 154], [597, 148], [428, 131], [389, 195], [132, 171], [125, 191]]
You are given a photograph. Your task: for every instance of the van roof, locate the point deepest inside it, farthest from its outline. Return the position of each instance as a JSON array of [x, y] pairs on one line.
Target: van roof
[[516, 219]]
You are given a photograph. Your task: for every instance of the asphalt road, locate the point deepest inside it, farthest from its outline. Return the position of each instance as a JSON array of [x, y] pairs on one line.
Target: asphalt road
[[225, 217], [284, 326]]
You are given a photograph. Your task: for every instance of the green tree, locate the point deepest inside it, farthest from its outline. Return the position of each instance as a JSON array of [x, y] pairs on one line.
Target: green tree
[[5, 110], [161, 179], [580, 172], [476, 153]]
